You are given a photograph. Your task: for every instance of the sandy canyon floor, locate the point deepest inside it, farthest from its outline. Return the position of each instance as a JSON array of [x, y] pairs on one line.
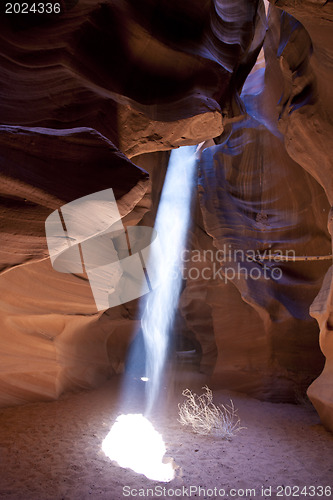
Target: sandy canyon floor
[[52, 451]]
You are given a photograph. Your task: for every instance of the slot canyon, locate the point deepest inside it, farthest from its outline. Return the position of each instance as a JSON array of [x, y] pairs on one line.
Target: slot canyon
[[95, 97]]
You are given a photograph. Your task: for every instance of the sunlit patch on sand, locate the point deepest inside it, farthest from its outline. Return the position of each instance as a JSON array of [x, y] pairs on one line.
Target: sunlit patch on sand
[[134, 443]]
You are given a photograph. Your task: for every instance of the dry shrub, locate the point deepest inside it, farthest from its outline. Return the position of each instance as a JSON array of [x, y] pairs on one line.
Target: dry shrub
[[204, 417]]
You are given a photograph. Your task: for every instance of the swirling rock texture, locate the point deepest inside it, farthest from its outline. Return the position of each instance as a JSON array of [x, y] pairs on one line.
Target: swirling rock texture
[[84, 91], [243, 207], [36, 167], [306, 122], [76, 87]]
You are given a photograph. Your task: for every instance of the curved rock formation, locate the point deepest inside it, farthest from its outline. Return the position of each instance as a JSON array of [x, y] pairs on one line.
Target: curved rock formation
[[45, 314], [251, 208], [306, 57], [43, 169], [255, 199], [96, 66], [106, 68], [103, 80]]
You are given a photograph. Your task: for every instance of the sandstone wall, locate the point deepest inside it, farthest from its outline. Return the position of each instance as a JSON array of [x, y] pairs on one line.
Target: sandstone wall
[[84, 92]]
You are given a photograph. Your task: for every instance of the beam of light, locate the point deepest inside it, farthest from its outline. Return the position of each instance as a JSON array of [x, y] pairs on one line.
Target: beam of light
[[134, 443], [172, 220]]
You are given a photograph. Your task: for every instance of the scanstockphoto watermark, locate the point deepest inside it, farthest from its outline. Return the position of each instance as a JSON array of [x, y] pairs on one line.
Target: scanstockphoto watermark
[[188, 492], [266, 491], [87, 237], [229, 263]]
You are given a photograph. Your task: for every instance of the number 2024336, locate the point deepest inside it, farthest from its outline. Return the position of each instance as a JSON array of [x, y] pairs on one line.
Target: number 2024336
[[32, 8]]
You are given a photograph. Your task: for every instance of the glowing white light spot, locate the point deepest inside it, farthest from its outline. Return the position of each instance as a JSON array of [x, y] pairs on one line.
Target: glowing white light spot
[[144, 379], [134, 443]]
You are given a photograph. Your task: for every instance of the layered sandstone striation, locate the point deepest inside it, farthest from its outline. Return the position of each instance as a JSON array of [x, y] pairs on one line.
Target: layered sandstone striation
[[104, 82], [76, 89], [306, 61]]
